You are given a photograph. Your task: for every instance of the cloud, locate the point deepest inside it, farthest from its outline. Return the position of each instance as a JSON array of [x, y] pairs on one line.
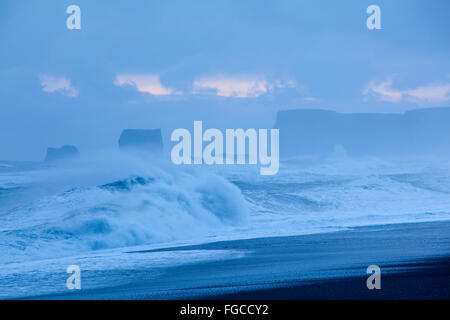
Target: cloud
[[431, 94], [146, 83], [220, 85], [52, 84], [383, 91], [237, 86]]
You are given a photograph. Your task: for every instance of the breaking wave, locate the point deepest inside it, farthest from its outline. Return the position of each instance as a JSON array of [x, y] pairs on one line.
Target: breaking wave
[[166, 205]]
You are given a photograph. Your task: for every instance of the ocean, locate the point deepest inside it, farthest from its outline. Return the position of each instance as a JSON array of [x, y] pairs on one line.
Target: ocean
[[93, 212]]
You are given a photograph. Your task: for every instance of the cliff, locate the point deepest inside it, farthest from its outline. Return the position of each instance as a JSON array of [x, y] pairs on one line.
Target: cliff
[[319, 132]]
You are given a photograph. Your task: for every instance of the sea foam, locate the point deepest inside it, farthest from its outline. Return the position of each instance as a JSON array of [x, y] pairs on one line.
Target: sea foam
[[161, 204]]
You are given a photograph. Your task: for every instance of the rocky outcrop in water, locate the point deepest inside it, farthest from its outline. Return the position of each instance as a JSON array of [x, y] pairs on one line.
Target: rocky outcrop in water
[[62, 153], [147, 141]]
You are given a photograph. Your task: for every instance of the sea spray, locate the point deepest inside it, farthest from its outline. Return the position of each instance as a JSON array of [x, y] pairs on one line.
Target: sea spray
[[160, 205]]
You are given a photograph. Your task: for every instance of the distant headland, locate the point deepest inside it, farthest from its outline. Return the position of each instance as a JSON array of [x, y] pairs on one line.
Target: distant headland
[[320, 132]]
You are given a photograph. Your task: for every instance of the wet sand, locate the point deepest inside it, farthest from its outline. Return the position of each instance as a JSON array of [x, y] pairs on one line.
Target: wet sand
[[414, 261]]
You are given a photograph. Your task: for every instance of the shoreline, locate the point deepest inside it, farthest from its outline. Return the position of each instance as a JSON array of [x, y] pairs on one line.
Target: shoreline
[[414, 261]]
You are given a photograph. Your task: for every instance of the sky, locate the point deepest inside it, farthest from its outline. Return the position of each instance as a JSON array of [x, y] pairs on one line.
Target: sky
[[231, 64]]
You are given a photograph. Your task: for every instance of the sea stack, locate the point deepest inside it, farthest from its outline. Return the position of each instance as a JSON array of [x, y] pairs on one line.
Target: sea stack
[[62, 153], [142, 141]]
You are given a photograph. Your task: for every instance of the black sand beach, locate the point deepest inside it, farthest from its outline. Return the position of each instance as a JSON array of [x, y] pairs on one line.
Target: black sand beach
[[414, 260], [414, 281]]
